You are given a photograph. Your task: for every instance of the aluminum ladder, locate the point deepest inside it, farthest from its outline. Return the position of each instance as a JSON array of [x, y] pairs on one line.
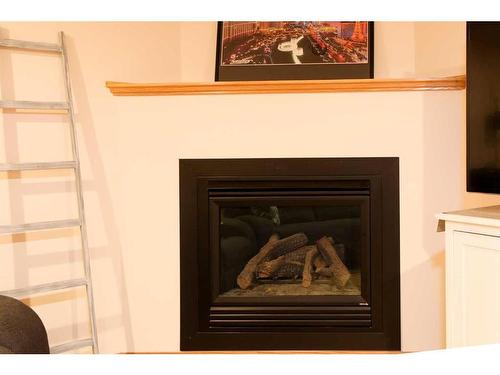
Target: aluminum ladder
[[67, 107]]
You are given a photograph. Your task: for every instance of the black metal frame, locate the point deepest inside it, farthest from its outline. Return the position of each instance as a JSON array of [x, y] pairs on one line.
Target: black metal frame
[[267, 72], [213, 322], [221, 199]]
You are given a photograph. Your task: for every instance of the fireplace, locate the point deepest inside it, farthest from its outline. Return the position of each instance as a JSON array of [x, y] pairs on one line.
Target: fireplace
[[290, 254]]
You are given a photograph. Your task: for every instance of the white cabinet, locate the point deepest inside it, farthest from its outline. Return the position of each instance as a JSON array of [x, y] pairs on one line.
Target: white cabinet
[[472, 276]]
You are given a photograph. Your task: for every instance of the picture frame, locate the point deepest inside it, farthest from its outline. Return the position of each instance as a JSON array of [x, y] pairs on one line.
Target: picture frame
[[294, 50]]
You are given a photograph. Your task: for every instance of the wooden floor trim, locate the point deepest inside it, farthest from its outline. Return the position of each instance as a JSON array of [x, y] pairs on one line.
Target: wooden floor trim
[[277, 352]]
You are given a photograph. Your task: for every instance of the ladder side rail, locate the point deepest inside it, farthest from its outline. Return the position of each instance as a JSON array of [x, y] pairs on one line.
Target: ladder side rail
[[79, 192]]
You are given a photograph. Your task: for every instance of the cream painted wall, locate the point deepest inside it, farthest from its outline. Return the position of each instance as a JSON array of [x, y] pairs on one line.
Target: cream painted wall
[[131, 146]]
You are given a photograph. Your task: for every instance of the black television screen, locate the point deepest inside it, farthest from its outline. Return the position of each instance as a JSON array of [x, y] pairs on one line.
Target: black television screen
[[483, 107]]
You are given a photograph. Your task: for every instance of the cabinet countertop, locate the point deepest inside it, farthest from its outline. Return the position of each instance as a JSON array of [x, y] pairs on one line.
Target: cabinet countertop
[[489, 216]]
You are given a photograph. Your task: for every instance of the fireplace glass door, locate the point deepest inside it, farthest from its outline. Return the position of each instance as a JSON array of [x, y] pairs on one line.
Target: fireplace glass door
[[292, 246]]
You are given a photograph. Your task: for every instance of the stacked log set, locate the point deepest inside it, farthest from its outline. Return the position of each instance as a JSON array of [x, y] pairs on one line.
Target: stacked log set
[[291, 258], [271, 250], [307, 275], [340, 273]]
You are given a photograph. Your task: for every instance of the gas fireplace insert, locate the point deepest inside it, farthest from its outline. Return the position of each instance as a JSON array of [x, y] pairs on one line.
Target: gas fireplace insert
[[290, 254]]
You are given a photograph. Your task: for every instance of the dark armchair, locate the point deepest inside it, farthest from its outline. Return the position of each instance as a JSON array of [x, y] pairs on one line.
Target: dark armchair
[[21, 330]]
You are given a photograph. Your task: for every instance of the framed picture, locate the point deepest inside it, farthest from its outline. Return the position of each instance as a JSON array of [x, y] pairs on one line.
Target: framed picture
[[288, 50]]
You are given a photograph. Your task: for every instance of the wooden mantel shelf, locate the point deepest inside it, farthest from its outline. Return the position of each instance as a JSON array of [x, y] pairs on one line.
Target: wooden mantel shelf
[[286, 87]]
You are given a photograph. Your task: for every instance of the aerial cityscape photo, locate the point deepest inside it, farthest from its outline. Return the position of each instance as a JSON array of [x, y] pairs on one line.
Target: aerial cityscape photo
[[294, 42]]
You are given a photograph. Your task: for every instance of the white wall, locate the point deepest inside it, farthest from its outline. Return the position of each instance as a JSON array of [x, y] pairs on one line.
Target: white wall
[[130, 151]]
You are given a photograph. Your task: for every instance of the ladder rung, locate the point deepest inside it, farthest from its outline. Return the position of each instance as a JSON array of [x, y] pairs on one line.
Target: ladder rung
[[44, 225], [44, 288], [37, 166], [72, 345], [24, 44], [25, 104]]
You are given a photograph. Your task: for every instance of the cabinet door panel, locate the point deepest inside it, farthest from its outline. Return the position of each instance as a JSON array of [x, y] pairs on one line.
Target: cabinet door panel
[[473, 288]]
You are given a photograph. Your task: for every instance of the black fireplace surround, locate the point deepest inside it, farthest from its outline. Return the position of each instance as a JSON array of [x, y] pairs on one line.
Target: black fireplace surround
[[232, 210]]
